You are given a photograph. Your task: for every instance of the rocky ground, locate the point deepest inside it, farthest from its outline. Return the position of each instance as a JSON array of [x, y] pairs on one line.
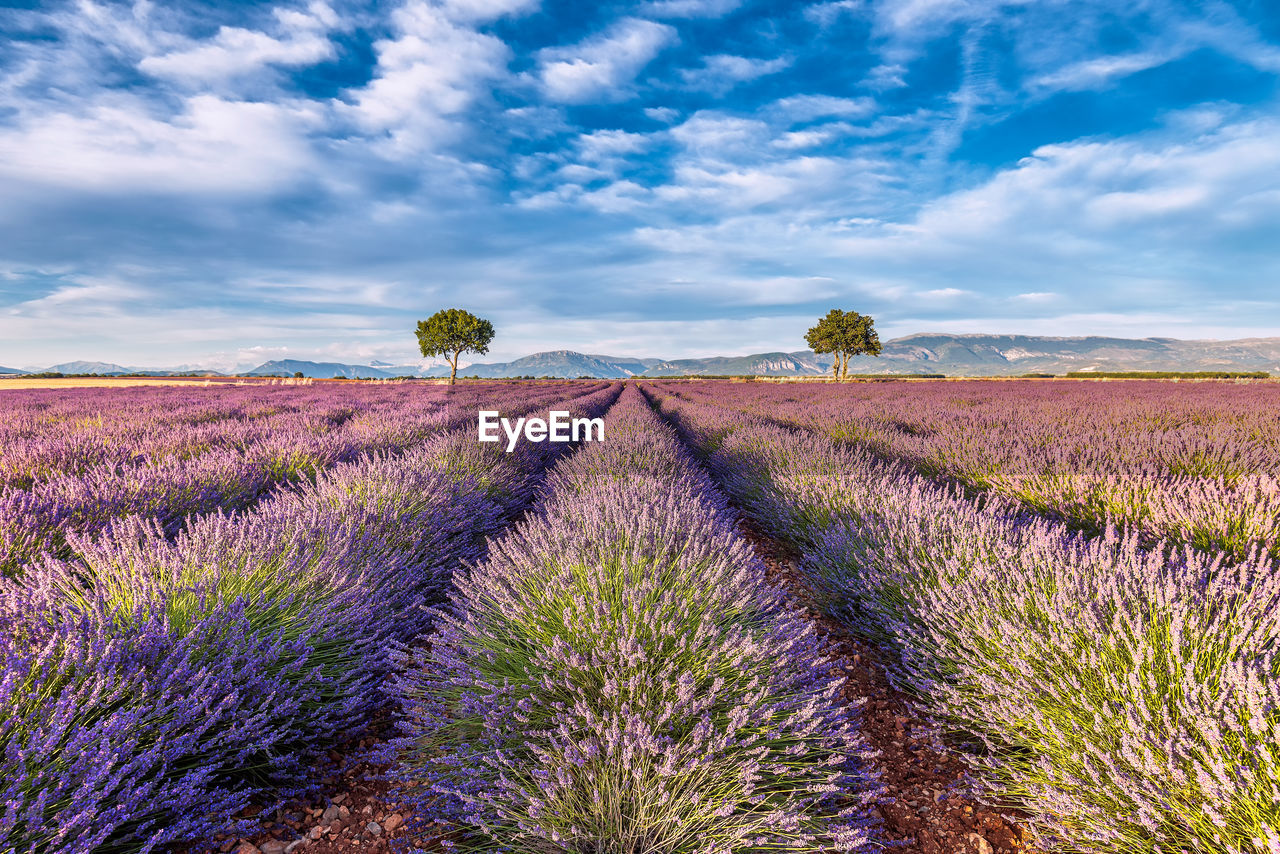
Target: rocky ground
[[353, 812]]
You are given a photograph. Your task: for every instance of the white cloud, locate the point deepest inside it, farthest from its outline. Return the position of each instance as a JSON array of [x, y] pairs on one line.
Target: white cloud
[[1087, 189], [212, 146], [236, 51], [618, 197], [946, 294], [721, 137], [721, 72], [604, 65], [740, 188], [605, 144], [930, 16], [802, 108], [824, 14], [810, 137], [426, 79], [485, 10], [665, 115], [1097, 72]]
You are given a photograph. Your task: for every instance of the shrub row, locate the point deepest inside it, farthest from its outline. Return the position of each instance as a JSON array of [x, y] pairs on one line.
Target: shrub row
[[619, 676], [1197, 465]]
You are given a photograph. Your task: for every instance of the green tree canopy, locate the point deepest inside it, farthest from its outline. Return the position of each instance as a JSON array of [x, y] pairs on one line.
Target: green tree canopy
[[452, 332], [844, 334]]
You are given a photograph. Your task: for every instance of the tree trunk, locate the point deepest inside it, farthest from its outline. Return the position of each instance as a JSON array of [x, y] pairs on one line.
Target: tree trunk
[[453, 369], [835, 369], [844, 366]]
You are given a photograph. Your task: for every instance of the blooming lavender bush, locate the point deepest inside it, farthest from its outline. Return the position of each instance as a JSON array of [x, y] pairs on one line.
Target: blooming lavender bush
[[176, 471], [154, 684], [618, 676], [1126, 696], [1190, 462]]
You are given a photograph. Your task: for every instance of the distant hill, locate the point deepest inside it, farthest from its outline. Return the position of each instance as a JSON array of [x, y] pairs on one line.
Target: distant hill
[[11, 371], [82, 367], [802, 363], [554, 363], [1006, 355], [318, 370], [925, 353]]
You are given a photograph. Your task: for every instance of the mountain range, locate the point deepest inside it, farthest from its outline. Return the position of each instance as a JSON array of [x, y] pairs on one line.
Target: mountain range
[[926, 353], [319, 370]]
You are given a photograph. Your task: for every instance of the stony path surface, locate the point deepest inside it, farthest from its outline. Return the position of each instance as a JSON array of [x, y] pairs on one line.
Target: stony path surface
[[930, 812], [352, 812]]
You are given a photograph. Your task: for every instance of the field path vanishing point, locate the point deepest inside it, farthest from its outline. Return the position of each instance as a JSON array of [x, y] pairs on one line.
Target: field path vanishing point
[[928, 807]]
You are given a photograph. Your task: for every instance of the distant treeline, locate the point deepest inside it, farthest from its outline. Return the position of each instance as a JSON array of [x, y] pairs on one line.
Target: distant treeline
[[1170, 375]]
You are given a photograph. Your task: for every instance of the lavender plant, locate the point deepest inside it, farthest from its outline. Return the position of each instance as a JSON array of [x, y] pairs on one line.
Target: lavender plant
[[618, 676], [267, 447], [1126, 696], [153, 684], [1193, 463]]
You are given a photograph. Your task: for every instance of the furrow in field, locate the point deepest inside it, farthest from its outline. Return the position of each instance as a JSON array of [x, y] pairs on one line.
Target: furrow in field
[[619, 675], [930, 806], [181, 678]]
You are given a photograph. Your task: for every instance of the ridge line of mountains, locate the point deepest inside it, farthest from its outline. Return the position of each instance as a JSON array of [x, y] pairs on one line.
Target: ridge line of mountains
[[924, 353]]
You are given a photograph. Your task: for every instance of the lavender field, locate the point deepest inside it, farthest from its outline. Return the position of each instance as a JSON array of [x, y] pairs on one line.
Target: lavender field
[[579, 647]]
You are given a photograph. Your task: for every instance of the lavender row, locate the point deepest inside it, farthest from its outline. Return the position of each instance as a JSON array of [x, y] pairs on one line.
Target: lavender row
[[1191, 463], [153, 686], [46, 433], [171, 490], [1127, 698], [619, 676]]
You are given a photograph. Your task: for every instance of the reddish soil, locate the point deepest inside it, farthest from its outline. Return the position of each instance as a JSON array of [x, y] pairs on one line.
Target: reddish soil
[[336, 820], [930, 810]]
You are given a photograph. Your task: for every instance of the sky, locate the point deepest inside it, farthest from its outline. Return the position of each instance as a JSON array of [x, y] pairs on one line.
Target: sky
[[223, 183]]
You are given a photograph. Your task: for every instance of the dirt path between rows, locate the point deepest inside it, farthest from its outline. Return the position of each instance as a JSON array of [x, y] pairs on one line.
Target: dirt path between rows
[[353, 810], [929, 810]]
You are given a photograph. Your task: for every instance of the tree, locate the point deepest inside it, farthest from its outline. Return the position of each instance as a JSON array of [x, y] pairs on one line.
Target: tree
[[822, 340], [452, 332], [844, 334]]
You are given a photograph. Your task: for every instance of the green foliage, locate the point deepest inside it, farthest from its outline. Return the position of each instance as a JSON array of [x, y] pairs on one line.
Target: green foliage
[[844, 334], [452, 332]]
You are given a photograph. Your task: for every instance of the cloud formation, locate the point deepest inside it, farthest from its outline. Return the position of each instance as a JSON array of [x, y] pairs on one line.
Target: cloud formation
[[674, 177]]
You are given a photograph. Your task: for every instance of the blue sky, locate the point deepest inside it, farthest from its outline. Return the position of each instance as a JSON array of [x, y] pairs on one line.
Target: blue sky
[[230, 182]]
